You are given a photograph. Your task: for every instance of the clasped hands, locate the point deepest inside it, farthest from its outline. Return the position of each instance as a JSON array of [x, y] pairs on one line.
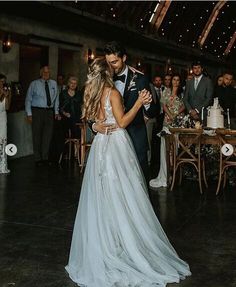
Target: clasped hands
[[145, 97]]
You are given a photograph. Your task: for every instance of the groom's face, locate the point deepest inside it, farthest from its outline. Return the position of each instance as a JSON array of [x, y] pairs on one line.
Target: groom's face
[[116, 63]]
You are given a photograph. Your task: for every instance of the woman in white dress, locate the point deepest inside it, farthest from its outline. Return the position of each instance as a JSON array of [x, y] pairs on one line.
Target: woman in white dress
[[5, 96], [173, 106], [117, 238]]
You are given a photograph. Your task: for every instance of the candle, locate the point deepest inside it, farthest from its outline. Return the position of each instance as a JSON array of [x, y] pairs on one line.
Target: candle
[[202, 114], [228, 118]]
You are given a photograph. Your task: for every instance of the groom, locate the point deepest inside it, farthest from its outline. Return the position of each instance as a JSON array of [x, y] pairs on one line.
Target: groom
[[129, 82]]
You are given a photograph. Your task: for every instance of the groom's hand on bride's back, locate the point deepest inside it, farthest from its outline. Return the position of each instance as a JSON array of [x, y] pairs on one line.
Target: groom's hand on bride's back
[[103, 128]]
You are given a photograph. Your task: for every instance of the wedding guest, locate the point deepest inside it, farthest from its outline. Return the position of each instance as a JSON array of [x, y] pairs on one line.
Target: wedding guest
[[5, 101], [167, 81], [41, 103], [172, 101], [154, 125], [219, 80], [227, 96], [61, 83], [198, 92], [70, 102]]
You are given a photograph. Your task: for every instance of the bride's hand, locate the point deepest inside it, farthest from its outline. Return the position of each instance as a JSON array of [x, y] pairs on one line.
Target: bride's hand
[[145, 97]]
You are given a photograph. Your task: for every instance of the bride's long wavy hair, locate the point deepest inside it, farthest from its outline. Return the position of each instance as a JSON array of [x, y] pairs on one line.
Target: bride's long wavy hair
[[99, 77]]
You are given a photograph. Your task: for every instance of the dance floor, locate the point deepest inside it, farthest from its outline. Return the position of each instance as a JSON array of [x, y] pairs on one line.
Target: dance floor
[[37, 211]]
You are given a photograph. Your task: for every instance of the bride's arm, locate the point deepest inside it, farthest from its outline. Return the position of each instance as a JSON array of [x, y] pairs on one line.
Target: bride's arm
[[124, 119]]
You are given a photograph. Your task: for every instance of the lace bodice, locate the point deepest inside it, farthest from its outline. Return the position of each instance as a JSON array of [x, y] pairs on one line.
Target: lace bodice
[[110, 119]]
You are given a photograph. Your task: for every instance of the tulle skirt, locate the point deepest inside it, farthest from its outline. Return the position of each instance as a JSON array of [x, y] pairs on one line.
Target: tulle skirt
[[117, 238]]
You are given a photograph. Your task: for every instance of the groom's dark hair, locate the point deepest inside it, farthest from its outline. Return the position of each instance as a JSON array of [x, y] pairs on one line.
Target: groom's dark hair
[[114, 48]]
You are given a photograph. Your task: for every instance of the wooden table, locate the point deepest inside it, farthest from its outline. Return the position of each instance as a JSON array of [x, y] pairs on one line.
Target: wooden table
[[187, 137]]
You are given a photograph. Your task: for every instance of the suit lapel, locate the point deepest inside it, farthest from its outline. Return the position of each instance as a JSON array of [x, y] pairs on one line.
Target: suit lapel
[[126, 91], [192, 85], [200, 82]]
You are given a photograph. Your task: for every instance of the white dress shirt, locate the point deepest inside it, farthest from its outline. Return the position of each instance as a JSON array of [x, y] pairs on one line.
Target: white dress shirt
[[119, 84], [197, 80]]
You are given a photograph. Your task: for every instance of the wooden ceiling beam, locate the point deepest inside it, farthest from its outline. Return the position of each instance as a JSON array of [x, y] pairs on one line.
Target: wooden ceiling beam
[[159, 15], [230, 44], [202, 38]]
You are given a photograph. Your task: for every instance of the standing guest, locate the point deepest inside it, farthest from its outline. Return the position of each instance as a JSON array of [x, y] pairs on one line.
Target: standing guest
[[227, 96], [219, 80], [130, 82], [167, 81], [117, 238], [154, 125], [172, 102], [61, 83], [41, 103], [70, 102], [188, 78], [198, 91], [5, 101]]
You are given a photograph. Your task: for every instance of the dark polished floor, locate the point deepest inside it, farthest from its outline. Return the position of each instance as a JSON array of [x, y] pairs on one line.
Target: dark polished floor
[[37, 210]]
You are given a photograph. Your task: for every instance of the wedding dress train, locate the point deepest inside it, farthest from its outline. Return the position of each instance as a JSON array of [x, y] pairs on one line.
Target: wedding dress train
[[117, 238]]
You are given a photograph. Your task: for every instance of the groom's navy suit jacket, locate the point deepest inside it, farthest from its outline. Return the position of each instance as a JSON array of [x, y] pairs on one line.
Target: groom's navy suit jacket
[[136, 82]]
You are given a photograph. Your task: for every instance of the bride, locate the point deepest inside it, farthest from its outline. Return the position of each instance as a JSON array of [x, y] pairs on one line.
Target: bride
[[117, 239]]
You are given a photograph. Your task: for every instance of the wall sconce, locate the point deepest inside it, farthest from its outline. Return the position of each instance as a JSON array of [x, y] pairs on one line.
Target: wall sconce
[[139, 65], [6, 43], [90, 56]]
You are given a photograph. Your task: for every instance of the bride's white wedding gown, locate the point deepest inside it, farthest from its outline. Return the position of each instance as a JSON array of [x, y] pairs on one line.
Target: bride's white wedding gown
[[117, 238]]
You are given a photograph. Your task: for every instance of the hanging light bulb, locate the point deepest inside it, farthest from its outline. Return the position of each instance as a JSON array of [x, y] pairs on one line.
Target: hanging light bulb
[[6, 44]]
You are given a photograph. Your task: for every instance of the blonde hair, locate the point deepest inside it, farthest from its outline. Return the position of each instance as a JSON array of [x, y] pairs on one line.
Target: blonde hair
[[98, 78]]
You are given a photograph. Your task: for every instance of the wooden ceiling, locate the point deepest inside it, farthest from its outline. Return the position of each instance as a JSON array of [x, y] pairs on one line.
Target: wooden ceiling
[[183, 22], [185, 29]]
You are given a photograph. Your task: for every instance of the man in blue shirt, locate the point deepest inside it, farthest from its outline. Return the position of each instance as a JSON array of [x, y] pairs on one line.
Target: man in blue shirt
[[41, 103]]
